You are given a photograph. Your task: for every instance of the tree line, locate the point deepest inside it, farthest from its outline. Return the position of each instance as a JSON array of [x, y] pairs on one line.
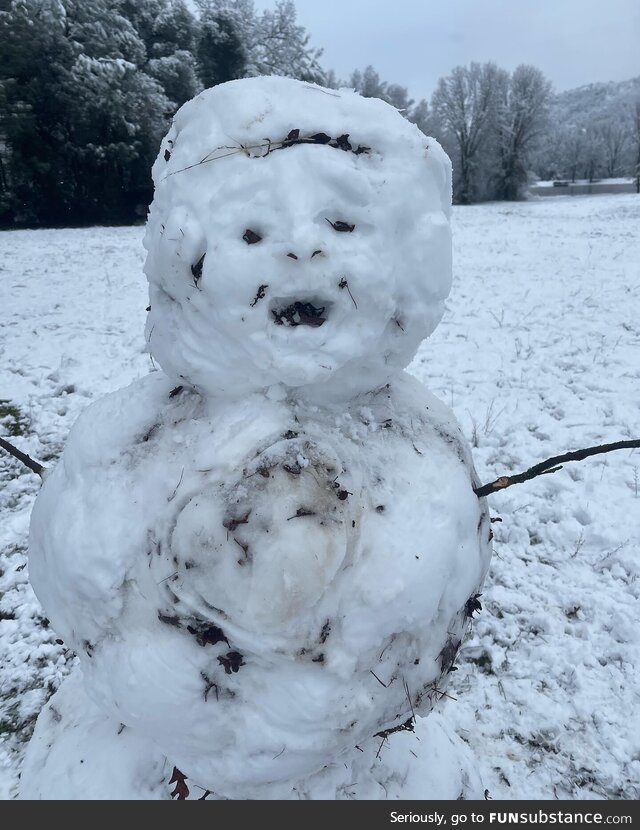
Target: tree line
[[88, 88]]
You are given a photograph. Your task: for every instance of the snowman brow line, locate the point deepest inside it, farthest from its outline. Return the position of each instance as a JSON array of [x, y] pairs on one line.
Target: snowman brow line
[[340, 143], [267, 146]]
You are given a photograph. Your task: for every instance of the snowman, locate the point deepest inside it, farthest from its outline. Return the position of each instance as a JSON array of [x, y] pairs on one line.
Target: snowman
[[267, 555]]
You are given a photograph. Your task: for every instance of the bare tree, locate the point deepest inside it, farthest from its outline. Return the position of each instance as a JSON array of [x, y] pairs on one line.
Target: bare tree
[[593, 152], [464, 103], [571, 149], [520, 118], [282, 45], [614, 139]]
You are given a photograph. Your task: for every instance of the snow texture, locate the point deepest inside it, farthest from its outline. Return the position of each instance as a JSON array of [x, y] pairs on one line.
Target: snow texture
[[266, 559], [547, 691]]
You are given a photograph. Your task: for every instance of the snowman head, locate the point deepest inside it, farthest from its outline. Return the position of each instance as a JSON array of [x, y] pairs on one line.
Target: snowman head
[[299, 237]]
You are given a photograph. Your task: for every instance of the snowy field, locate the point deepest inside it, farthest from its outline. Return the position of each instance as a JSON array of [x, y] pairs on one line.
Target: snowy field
[[538, 353]]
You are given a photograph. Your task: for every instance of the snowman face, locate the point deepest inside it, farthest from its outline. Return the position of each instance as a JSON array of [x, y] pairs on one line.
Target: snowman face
[[304, 268], [301, 267], [304, 243]]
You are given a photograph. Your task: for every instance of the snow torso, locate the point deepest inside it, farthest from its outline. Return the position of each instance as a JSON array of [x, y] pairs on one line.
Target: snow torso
[[253, 573]]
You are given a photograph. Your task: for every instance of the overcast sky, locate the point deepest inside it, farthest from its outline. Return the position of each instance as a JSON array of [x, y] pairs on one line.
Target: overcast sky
[[415, 42]]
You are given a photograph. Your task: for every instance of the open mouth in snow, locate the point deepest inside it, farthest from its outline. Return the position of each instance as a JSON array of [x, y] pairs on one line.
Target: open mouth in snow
[[311, 312]]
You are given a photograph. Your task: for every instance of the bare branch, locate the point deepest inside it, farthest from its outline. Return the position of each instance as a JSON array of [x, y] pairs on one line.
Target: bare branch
[[34, 466], [552, 465]]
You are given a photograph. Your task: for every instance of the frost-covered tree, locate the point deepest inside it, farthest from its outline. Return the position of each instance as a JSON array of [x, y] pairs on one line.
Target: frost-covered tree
[[221, 48], [174, 30], [177, 75], [370, 85], [167, 30], [614, 139], [34, 73], [425, 119], [118, 118], [464, 102], [80, 120], [283, 45], [572, 146], [237, 42], [590, 132], [520, 118], [593, 152]]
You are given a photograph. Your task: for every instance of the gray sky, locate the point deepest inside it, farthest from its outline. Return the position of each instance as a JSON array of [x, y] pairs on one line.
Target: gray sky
[[414, 42]]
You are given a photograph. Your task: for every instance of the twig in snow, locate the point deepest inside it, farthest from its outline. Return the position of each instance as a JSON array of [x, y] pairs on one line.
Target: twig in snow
[[344, 284], [378, 679], [29, 462], [406, 689], [552, 465], [173, 495]]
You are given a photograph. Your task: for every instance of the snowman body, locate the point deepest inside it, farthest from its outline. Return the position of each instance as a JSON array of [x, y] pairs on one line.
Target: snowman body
[[266, 556]]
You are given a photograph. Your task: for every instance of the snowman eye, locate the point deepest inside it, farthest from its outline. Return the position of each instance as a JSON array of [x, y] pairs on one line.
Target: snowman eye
[[341, 227], [251, 237]]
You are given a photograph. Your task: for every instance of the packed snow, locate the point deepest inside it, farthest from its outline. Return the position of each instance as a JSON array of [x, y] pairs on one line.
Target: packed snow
[[535, 355], [327, 205], [266, 559]]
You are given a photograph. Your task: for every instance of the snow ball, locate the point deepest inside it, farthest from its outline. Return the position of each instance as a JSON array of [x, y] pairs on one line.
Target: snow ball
[[298, 235]]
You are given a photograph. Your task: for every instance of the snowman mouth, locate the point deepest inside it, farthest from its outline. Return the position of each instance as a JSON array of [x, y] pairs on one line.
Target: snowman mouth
[[311, 312]]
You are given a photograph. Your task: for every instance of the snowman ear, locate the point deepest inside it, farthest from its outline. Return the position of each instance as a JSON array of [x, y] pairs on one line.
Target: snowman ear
[[176, 251], [439, 166]]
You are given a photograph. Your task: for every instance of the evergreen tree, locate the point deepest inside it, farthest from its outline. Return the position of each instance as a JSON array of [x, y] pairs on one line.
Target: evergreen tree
[[177, 75], [143, 16], [80, 122], [34, 89], [168, 31], [174, 30], [221, 51]]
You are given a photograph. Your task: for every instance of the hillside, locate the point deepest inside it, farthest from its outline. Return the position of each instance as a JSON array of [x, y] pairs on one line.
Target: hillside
[[594, 102]]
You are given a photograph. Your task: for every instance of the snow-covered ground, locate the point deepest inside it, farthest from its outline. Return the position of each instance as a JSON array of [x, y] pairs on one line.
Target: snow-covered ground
[[537, 354]]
